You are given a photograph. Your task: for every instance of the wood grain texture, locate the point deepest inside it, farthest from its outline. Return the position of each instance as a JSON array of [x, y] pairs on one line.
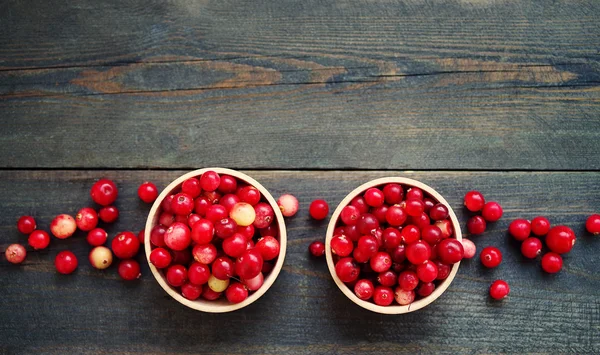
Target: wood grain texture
[[366, 85], [303, 313]]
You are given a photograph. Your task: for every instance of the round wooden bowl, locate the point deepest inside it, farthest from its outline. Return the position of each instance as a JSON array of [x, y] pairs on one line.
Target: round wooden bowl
[[392, 309], [221, 305]]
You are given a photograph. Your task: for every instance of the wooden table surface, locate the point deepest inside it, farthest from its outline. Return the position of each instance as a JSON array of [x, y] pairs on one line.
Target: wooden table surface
[[312, 98]]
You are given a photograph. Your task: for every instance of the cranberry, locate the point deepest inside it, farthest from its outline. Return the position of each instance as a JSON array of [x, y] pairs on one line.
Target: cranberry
[[236, 293], [147, 192], [316, 248], [65, 262], [86, 219], [383, 296], [182, 204], [446, 227], [100, 257], [450, 251], [210, 181], [387, 278], [222, 268], [391, 238], [176, 275], [410, 234], [209, 294], [347, 270], [165, 204], [228, 184], [248, 231], [264, 215], [443, 270], [552, 262], [421, 221], [374, 197], [350, 215], [426, 289], [380, 213], [230, 200], [341, 246], [418, 252], [367, 246], [205, 253], [395, 215], [476, 225], [288, 204], [26, 224], [319, 209], [364, 289], [439, 212], [181, 219], [267, 268], [201, 205], [15, 253], [97, 237], [352, 232], [235, 245], [254, 283], [225, 228], [499, 289], [414, 193], [381, 262], [104, 192], [469, 248], [367, 223], [592, 224], [490, 257], [427, 272], [474, 201], [492, 211], [39, 239], [360, 203], [432, 234], [157, 235], [408, 280], [191, 291], [429, 203], [166, 219], [213, 196], [160, 258], [215, 213], [178, 236], [393, 193], [244, 213], [249, 194], [540, 226], [403, 297], [249, 264], [414, 207], [398, 254], [560, 239], [126, 245], [531, 248], [191, 187], [520, 229], [108, 214], [142, 236], [63, 226]]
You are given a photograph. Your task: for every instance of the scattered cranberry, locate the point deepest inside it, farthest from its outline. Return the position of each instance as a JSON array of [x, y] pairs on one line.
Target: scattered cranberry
[[492, 211], [205, 253], [210, 181], [450, 251], [469, 248], [383, 296], [100, 257], [364, 289], [148, 192], [552, 262], [264, 215], [531, 247], [86, 219], [176, 275], [104, 192], [97, 237], [404, 297], [191, 291], [319, 209], [499, 289], [228, 184], [129, 270], [160, 258], [63, 226], [540, 226], [236, 293], [520, 229], [125, 245], [491, 257], [393, 193], [249, 264], [65, 262], [474, 201], [26, 224], [288, 204], [15, 253], [108, 214], [317, 248], [560, 239], [476, 225], [592, 224], [39, 239]]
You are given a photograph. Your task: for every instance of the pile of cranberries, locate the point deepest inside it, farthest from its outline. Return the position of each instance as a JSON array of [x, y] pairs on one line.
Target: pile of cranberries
[[394, 246], [216, 235]]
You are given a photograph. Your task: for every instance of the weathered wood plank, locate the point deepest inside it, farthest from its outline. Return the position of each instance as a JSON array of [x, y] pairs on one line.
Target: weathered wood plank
[[304, 312]]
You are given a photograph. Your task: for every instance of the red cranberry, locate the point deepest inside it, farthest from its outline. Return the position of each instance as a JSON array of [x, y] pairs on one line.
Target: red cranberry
[[142, 236], [380, 213], [410, 234], [381, 262], [178, 236], [387, 278], [176, 275], [165, 204], [225, 228], [215, 213], [182, 257], [360, 203], [446, 227], [222, 268], [398, 254], [228, 184], [129, 270], [469, 248], [236, 293], [210, 181], [492, 211], [391, 238], [205, 253], [367, 223], [248, 231], [86, 219], [249, 194], [552, 262], [39, 239], [264, 215], [97, 237], [491, 257], [520, 229], [439, 212], [474, 201], [347, 270], [157, 235], [531, 248], [201, 205], [213, 196], [198, 274], [429, 203], [418, 252], [104, 192], [63, 226], [383, 296], [191, 291], [476, 225], [125, 245], [254, 283], [341, 246], [443, 270], [15, 253], [192, 219], [540, 226], [249, 264], [235, 245], [408, 280], [209, 294], [364, 289], [319, 209], [228, 201], [432, 234], [108, 214], [65, 262], [350, 215], [191, 187], [396, 216], [352, 232], [374, 197], [414, 193], [426, 289], [182, 204], [592, 224], [26, 224], [421, 221], [450, 251], [414, 207], [560, 239], [166, 219], [267, 267], [427, 272], [367, 246], [160, 258], [147, 192], [288, 204], [499, 289], [317, 248], [393, 193]]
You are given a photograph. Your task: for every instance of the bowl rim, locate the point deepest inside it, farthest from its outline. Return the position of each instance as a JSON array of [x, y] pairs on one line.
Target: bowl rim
[[392, 309], [201, 304]]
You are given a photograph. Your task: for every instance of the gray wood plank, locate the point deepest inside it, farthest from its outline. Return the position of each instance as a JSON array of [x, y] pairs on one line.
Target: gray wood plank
[[94, 312]]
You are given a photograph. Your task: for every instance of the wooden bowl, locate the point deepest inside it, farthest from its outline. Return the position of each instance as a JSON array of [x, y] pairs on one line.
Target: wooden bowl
[[221, 305], [392, 309]]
